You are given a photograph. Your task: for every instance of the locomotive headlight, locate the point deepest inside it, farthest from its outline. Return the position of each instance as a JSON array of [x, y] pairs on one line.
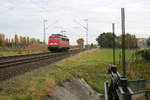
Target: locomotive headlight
[[53, 43]]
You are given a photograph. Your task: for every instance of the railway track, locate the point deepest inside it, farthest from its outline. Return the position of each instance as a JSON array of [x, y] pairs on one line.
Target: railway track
[[11, 66]]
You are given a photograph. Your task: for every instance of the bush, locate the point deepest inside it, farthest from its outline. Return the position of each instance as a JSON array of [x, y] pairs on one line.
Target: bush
[[145, 54], [148, 42]]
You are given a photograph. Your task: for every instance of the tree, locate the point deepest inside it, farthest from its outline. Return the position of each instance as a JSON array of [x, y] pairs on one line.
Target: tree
[[16, 39], [32, 40], [28, 41], [105, 40], [7, 42], [80, 42], [23, 41], [2, 38], [3, 43], [130, 41], [12, 43], [38, 40], [92, 45], [148, 42]]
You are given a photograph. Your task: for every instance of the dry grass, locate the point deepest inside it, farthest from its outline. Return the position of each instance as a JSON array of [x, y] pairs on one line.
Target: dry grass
[[90, 65], [18, 51], [36, 47]]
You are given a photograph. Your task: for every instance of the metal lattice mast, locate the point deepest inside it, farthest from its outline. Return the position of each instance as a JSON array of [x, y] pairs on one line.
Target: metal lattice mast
[[44, 30], [87, 33]]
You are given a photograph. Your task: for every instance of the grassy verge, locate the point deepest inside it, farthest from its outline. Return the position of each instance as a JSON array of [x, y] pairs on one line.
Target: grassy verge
[[90, 65], [139, 70], [18, 51]]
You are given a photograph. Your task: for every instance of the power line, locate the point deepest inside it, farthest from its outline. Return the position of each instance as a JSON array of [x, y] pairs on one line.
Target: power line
[[85, 27], [45, 28]]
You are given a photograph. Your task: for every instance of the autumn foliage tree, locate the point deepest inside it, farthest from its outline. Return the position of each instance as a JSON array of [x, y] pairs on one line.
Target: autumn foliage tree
[[130, 41], [17, 41], [28, 40], [80, 42], [7, 42], [2, 37]]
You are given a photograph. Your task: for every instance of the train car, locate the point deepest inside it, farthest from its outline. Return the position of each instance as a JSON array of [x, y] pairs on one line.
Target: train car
[[58, 42]]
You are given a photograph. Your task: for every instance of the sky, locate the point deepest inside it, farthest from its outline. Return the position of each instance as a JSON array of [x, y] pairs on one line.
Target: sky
[[25, 17]]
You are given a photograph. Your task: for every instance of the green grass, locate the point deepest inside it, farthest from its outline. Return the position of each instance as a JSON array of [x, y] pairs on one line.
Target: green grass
[[17, 51], [91, 65]]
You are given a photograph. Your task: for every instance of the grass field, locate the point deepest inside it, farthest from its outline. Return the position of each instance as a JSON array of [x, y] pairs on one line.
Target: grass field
[[17, 51], [91, 65]]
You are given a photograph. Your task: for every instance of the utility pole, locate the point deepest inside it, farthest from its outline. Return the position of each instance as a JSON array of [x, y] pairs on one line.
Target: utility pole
[[114, 44], [123, 41], [44, 30], [46, 27]]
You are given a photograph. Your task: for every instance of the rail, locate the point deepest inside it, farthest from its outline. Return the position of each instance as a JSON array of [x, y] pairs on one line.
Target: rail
[[11, 66]]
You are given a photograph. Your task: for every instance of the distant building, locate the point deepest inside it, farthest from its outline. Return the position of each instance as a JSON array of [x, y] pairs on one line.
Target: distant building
[[142, 43]]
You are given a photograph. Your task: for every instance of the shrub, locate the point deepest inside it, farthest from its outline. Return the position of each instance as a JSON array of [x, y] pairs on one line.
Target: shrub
[[145, 54]]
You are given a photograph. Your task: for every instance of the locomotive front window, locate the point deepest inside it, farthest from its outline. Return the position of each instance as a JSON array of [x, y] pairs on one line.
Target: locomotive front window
[[57, 38], [63, 39], [50, 38]]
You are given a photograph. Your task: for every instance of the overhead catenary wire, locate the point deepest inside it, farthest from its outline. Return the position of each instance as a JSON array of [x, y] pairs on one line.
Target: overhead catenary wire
[[85, 27]]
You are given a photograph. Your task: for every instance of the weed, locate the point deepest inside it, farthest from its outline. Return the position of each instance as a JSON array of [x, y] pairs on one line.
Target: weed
[[90, 65]]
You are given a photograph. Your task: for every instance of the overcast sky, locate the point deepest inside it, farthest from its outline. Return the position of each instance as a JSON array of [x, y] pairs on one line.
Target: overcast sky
[[25, 17]]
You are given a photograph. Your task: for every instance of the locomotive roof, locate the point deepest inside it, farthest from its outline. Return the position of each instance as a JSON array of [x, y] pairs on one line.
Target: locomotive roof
[[59, 35]]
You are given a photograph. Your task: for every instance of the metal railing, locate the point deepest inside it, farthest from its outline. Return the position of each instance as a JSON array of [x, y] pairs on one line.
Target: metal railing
[[123, 89]]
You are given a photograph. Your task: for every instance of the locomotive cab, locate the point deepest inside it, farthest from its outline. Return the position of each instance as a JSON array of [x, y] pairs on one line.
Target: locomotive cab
[[58, 42]]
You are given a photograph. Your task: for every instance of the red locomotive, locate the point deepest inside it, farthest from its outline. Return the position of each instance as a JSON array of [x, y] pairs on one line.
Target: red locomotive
[[58, 42]]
